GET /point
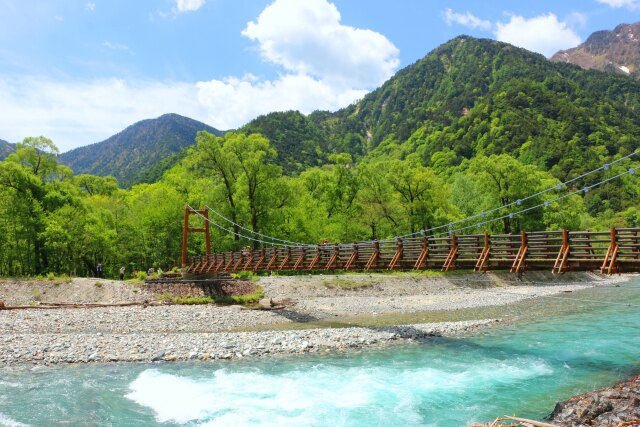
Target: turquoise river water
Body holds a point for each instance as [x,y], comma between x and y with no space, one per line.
[522,369]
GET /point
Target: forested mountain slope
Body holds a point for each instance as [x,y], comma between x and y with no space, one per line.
[474,96]
[141,152]
[6,148]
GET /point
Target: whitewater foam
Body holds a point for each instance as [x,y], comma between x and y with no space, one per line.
[6,421]
[331,394]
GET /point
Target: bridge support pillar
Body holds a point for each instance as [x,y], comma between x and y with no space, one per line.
[186,229]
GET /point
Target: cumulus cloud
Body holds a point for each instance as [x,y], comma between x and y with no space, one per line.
[234,101]
[188,5]
[466,19]
[630,4]
[323,65]
[74,114]
[307,37]
[544,34]
[90,7]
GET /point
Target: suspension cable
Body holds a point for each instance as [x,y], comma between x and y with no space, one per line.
[630,171]
[251,231]
[288,243]
[233,232]
[559,186]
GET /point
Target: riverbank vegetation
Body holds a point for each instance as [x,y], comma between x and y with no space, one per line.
[473,126]
[54,222]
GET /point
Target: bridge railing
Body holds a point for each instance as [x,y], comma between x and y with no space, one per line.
[608,251]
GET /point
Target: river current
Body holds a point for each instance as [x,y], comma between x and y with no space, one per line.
[583,340]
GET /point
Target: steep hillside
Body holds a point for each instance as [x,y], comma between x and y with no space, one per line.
[6,148]
[614,51]
[141,152]
[474,96]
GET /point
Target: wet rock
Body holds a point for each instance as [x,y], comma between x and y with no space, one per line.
[604,407]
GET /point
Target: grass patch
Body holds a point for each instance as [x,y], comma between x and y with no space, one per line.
[245,275]
[165,296]
[194,300]
[37,296]
[346,284]
[98,284]
[247,299]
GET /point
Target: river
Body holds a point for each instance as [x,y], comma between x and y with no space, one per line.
[558,348]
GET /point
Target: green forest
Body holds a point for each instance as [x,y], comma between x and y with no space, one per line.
[473,126]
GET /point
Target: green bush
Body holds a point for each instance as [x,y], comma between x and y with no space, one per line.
[244,275]
[141,275]
[226,299]
[165,296]
[194,300]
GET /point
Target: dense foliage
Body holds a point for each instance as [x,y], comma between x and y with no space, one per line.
[473,126]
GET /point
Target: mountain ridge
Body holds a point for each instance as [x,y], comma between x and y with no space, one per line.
[6,148]
[139,153]
[616,51]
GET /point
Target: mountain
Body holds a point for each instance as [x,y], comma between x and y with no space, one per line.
[475,96]
[6,148]
[614,51]
[141,152]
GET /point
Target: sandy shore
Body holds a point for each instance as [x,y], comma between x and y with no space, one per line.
[116,334]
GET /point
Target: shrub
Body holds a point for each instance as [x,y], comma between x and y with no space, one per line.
[51,276]
[141,275]
[194,300]
[244,275]
[224,299]
[165,296]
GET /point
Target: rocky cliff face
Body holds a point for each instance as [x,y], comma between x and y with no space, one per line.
[614,51]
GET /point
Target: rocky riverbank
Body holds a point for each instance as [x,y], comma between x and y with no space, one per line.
[83,347]
[611,406]
[180,332]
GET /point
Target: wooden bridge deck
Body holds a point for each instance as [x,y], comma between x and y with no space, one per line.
[617,250]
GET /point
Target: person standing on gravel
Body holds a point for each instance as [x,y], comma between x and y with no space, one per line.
[122,273]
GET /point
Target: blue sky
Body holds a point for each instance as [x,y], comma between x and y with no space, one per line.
[78,71]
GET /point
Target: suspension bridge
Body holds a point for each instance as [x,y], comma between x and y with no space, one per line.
[444,248]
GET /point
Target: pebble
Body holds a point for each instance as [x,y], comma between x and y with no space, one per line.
[170,333]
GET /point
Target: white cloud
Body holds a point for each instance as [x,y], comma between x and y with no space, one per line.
[544,34]
[234,101]
[74,114]
[630,4]
[325,65]
[307,37]
[90,7]
[116,46]
[466,19]
[188,5]
[576,19]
